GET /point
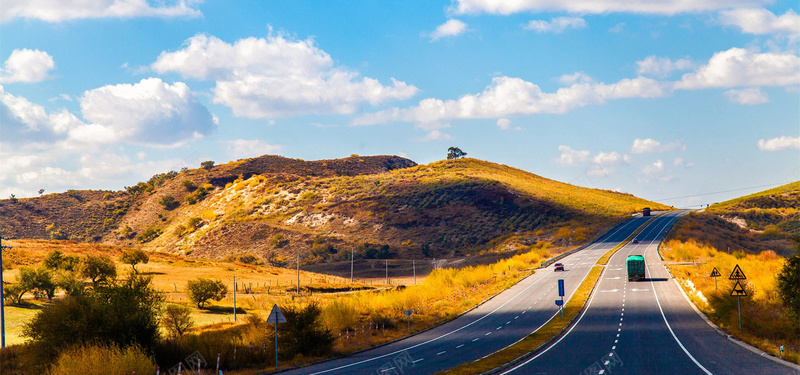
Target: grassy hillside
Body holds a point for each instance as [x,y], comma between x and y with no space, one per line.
[269,209]
[776,210]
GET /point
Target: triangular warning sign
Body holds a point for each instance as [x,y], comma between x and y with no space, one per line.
[738,291]
[715,272]
[737,274]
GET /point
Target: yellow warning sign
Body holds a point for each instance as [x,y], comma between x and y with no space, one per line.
[738,291]
[737,274]
[715,272]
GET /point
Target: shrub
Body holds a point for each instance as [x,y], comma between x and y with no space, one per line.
[188,185]
[207,165]
[177,319]
[303,332]
[789,285]
[149,235]
[103,360]
[202,290]
[169,202]
[56,260]
[97,268]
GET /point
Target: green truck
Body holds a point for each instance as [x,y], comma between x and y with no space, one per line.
[635,267]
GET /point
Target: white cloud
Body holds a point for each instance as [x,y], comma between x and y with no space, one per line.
[452,27]
[779,143]
[660,66]
[557,25]
[649,145]
[26,122]
[505,124]
[572,158]
[597,6]
[507,96]
[25,65]
[741,67]
[435,135]
[272,77]
[605,163]
[750,96]
[655,168]
[578,77]
[149,112]
[618,28]
[65,10]
[761,21]
[249,148]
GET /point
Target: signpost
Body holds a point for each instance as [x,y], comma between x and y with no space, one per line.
[408,314]
[275,316]
[738,290]
[560,303]
[715,274]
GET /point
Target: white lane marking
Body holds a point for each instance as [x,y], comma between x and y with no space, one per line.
[498,328]
[614,347]
[516,317]
[440,353]
[609,291]
[508,322]
[387,369]
[488,333]
[458,347]
[476,339]
[417,360]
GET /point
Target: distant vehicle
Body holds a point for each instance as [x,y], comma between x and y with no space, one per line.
[646,211]
[635,241]
[635,267]
[558,267]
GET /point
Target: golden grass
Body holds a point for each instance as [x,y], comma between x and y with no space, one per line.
[766,322]
[538,338]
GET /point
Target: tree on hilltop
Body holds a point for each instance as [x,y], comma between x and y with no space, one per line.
[455,153]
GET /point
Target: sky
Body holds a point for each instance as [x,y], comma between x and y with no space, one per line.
[682,102]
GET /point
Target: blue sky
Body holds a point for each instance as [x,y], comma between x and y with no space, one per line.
[686,103]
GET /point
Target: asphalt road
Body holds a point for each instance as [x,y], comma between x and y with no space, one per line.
[644,327]
[500,322]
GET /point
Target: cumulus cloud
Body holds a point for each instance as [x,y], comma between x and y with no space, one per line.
[150,112]
[741,67]
[597,6]
[761,21]
[655,168]
[25,65]
[557,25]
[605,163]
[750,96]
[273,77]
[505,124]
[25,122]
[66,10]
[435,135]
[649,145]
[779,143]
[507,96]
[249,148]
[660,66]
[452,27]
[572,158]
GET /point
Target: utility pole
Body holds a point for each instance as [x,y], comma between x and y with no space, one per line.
[2,300]
[352,254]
[298,273]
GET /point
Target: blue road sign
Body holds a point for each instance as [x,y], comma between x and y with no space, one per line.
[559,302]
[561,287]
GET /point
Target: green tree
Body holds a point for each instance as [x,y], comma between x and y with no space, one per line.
[208,164]
[202,290]
[303,332]
[97,268]
[134,257]
[177,319]
[789,282]
[169,202]
[122,313]
[56,260]
[455,153]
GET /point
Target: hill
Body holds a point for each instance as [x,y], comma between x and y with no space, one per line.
[766,220]
[272,208]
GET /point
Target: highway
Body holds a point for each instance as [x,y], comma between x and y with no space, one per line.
[496,324]
[644,327]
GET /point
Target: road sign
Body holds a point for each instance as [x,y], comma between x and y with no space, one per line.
[715,272]
[738,291]
[561,287]
[409,312]
[559,302]
[276,316]
[737,274]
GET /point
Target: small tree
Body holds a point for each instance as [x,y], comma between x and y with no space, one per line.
[201,290]
[207,165]
[98,269]
[455,153]
[303,332]
[134,257]
[789,283]
[169,202]
[177,319]
[41,191]
[56,260]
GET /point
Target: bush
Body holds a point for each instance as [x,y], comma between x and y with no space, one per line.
[202,290]
[303,332]
[177,319]
[169,202]
[207,165]
[56,260]
[103,360]
[149,235]
[789,285]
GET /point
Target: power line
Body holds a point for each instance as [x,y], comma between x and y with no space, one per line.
[724,191]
